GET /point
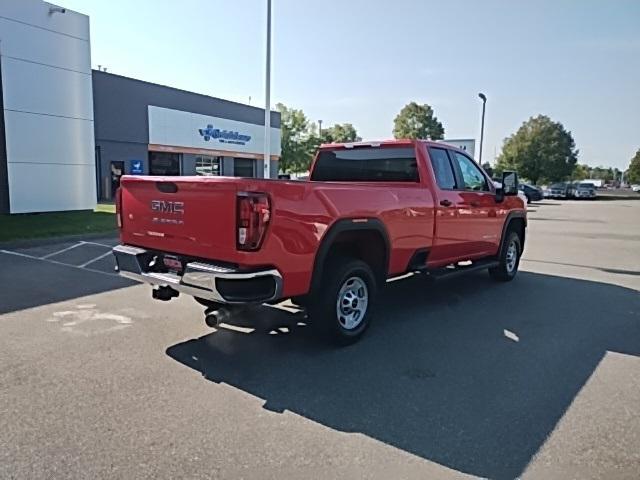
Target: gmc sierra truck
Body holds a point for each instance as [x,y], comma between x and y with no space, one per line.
[368,212]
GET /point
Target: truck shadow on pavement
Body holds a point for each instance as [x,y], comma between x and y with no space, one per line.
[467,373]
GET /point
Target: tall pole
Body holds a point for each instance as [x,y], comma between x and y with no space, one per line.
[267,100]
[483,97]
[320,129]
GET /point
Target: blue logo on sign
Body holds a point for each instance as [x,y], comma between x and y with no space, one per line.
[223,136]
[136,167]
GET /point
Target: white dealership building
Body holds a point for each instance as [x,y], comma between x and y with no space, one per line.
[46,127]
[67,132]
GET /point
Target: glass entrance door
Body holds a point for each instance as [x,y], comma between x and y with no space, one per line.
[207,166]
[117,170]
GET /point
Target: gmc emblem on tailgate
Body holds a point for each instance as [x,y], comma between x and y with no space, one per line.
[163,206]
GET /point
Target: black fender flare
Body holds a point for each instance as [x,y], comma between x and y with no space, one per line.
[339,227]
[505,227]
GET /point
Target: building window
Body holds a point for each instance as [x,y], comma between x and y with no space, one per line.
[163,163]
[207,166]
[244,167]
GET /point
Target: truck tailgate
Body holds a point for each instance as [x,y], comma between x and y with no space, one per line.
[180,215]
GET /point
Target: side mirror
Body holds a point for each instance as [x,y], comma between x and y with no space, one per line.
[510,183]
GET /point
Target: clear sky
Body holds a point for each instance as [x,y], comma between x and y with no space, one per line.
[360,61]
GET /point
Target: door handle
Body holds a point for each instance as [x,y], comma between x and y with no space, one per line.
[446,203]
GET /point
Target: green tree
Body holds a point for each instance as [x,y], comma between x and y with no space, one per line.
[541,150]
[417,121]
[607,174]
[581,172]
[633,173]
[297,141]
[340,133]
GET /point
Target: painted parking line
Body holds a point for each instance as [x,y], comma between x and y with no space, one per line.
[55,262]
[99,257]
[53,254]
[100,244]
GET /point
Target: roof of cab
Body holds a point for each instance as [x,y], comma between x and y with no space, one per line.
[386,143]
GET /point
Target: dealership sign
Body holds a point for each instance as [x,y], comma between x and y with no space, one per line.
[223,136]
[182,131]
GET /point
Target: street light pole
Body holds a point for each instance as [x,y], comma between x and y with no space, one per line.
[320,129]
[483,97]
[267,100]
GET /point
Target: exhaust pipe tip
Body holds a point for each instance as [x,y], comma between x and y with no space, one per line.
[213,318]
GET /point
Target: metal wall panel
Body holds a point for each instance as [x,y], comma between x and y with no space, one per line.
[46,139]
[38,13]
[43,46]
[45,61]
[38,88]
[51,187]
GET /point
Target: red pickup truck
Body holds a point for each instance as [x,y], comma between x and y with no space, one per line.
[368,212]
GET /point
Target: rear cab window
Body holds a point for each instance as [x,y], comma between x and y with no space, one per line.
[367,164]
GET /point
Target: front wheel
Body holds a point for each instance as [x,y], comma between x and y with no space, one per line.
[509,259]
[342,309]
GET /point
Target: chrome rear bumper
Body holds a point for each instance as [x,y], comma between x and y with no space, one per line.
[204,280]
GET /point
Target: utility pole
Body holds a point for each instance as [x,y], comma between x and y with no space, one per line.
[320,129]
[267,99]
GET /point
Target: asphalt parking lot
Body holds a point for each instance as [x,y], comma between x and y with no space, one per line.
[463,378]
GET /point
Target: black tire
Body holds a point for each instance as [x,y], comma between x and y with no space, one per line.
[300,301]
[340,274]
[508,268]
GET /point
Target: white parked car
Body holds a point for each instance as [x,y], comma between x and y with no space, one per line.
[635,188]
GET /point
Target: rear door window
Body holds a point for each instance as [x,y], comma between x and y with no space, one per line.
[363,164]
[442,168]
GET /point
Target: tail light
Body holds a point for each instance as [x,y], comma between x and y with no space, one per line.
[253,215]
[119,207]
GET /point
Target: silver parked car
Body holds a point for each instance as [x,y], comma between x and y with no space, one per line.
[585,190]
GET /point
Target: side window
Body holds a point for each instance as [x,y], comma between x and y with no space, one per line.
[471,174]
[442,168]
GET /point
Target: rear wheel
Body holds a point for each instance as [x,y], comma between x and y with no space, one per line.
[509,258]
[342,309]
